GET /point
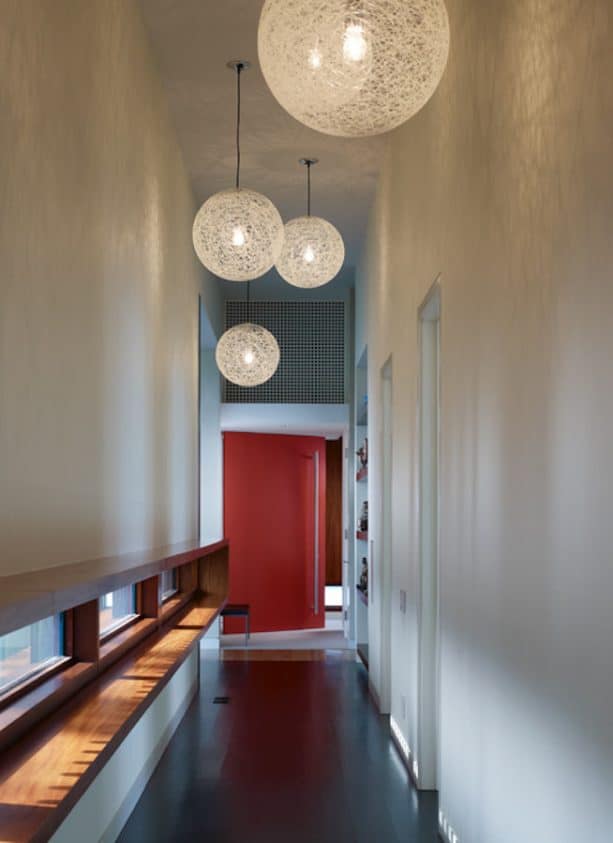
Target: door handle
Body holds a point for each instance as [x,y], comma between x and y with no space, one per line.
[316,534]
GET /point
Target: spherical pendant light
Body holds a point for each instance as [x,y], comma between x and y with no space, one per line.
[247,355]
[238,233]
[313,250]
[353,67]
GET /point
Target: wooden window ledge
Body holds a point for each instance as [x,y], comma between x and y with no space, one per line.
[44,774]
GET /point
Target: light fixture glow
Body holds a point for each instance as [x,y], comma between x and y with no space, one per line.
[238,237]
[378,62]
[355,45]
[315,59]
[313,250]
[238,233]
[247,354]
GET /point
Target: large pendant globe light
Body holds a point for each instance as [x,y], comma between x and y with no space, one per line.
[247,354]
[353,67]
[313,250]
[238,233]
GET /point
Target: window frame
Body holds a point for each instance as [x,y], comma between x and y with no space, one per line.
[124,622]
[165,596]
[36,676]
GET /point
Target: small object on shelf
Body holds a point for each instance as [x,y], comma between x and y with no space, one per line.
[363,537]
[362,453]
[363,522]
[362,474]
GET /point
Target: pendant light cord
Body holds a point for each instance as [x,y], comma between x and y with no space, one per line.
[239,69]
[249,301]
[308,189]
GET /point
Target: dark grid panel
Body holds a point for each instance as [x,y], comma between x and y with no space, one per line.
[311,336]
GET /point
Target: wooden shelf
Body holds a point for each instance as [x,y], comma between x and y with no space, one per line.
[363,597]
[26,598]
[45,774]
[362,474]
[361,536]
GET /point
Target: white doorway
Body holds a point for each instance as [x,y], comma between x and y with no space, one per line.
[428,615]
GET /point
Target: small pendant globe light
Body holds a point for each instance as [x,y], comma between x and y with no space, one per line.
[313,250]
[238,233]
[247,354]
[353,68]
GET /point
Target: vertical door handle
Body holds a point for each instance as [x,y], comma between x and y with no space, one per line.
[316,536]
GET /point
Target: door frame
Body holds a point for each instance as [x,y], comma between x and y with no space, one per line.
[385,534]
[429,471]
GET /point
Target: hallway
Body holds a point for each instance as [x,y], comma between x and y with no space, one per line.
[299,753]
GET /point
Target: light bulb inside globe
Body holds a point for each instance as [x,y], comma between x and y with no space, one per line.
[312,254]
[315,59]
[355,46]
[247,354]
[238,236]
[309,254]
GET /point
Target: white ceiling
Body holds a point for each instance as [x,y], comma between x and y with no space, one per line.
[192,41]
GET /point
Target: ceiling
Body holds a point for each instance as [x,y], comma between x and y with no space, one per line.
[192,41]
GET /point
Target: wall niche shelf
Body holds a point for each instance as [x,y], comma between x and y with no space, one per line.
[363,595]
[361,536]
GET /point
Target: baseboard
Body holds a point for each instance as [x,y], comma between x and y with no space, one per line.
[374,694]
[405,761]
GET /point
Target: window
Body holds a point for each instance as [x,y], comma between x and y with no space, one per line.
[117,608]
[168,584]
[29,651]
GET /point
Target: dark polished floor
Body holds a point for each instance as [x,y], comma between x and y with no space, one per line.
[298,755]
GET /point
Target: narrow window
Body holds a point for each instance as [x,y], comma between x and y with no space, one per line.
[168,584]
[117,609]
[28,652]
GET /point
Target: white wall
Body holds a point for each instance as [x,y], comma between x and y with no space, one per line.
[211,451]
[297,419]
[504,184]
[98,292]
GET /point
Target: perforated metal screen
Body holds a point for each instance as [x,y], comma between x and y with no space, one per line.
[311,336]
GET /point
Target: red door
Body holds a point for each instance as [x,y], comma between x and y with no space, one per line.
[271,487]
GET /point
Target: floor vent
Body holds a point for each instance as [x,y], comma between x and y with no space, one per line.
[221,700]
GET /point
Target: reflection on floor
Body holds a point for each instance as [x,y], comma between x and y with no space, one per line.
[297,753]
[249,654]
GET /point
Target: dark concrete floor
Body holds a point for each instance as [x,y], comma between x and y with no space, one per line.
[298,755]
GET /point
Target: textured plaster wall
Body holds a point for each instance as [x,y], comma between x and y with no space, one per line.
[98,291]
[504,184]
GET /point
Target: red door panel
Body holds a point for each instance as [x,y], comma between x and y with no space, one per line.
[270,520]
